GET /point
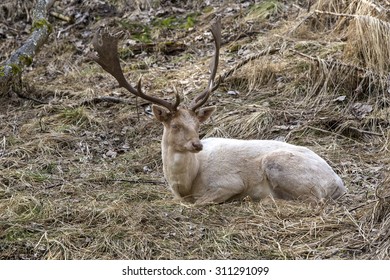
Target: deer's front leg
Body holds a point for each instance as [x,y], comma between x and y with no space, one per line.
[219,195]
[180,194]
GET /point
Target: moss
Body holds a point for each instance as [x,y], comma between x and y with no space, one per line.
[26,59]
[16,69]
[40,23]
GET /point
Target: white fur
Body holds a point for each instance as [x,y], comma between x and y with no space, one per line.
[233,169]
[215,170]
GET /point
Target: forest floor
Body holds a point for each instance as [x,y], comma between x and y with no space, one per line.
[81,178]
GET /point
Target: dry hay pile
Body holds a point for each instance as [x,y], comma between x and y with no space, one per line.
[82,179]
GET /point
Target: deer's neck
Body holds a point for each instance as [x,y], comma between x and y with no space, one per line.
[180,169]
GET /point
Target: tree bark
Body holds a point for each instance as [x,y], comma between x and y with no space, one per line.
[13,67]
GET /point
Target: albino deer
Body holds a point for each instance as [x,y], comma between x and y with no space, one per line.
[216,170]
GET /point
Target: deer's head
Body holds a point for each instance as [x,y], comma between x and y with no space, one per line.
[181,123]
[181,128]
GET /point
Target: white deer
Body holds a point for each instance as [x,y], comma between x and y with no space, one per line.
[216,170]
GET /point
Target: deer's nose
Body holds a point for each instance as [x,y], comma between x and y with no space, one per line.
[197,146]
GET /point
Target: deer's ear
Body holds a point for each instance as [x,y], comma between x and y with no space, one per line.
[160,113]
[204,113]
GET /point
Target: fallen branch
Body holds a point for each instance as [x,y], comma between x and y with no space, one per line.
[24,56]
[79,21]
[18,90]
[111,99]
[21,95]
[247,60]
[334,62]
[140,181]
[168,48]
[335,14]
[54,186]
[68,19]
[365,131]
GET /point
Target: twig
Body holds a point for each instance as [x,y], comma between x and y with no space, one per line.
[365,131]
[370,202]
[309,4]
[362,205]
[111,99]
[334,62]
[320,130]
[30,98]
[335,14]
[53,186]
[301,22]
[245,61]
[62,17]
[365,72]
[309,15]
[168,47]
[376,7]
[18,90]
[152,182]
[49,4]
[80,20]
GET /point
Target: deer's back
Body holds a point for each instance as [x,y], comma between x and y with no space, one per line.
[263,166]
[225,156]
[237,150]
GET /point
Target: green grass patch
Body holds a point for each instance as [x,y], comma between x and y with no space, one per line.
[264,10]
[175,22]
[76,116]
[143,32]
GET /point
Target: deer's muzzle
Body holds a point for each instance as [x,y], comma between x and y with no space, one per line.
[197,146]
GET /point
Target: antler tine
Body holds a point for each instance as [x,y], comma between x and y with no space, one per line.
[212,86]
[106,45]
[177,97]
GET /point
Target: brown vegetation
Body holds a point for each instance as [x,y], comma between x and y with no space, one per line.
[81,178]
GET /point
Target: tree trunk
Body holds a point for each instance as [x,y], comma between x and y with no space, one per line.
[13,67]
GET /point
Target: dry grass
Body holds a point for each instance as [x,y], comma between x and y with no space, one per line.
[85,182]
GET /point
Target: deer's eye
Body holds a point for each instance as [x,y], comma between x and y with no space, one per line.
[176,127]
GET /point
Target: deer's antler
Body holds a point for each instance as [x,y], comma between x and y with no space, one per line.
[106,46]
[201,99]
